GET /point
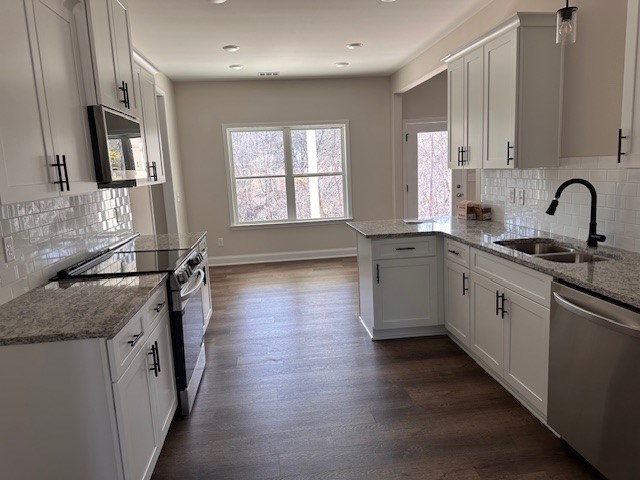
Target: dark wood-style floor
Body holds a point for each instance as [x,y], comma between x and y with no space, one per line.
[294,389]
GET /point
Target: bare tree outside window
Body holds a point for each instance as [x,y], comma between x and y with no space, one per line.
[288,174]
[434,176]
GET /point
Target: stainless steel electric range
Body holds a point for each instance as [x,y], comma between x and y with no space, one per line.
[189,295]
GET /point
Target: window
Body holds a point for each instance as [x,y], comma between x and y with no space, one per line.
[288,174]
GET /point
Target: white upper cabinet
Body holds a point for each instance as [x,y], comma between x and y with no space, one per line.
[521,69]
[146,92]
[465,100]
[629,133]
[44,141]
[111,56]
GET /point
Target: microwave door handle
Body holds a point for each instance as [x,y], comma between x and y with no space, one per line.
[197,287]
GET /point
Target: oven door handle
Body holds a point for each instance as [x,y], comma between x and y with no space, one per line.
[189,293]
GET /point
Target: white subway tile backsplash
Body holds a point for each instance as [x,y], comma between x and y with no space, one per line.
[52,234]
[618,199]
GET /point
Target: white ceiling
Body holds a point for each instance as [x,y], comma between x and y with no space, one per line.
[298,38]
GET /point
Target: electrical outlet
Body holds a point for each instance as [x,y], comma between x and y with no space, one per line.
[220,242]
[521,196]
[512,195]
[9,251]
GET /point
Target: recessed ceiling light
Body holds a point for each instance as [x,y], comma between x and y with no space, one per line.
[342,64]
[383,1]
[236,67]
[231,48]
[353,46]
[218,2]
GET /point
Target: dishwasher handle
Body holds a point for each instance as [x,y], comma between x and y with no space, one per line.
[596,318]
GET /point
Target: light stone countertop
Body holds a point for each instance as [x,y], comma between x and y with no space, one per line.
[167,241]
[74,310]
[617,279]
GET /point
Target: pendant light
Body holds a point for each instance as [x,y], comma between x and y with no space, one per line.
[566,19]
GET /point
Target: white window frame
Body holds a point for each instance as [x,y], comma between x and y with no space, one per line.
[289,176]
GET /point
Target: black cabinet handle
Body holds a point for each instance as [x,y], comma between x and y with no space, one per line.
[154,169]
[405,248]
[463,151]
[465,289]
[155,366]
[509,148]
[125,94]
[58,166]
[155,344]
[460,161]
[500,300]
[620,152]
[454,252]
[159,306]
[378,272]
[136,338]
[66,172]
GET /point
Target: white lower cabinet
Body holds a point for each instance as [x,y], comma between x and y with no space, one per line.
[509,323]
[399,281]
[457,294]
[91,408]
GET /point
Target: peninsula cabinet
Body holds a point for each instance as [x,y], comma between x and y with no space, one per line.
[466,109]
[521,89]
[90,408]
[111,56]
[399,282]
[629,133]
[44,143]
[146,93]
[457,291]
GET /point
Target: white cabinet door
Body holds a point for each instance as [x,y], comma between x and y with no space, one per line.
[161,378]
[64,94]
[629,135]
[455,79]
[487,324]
[457,303]
[123,51]
[135,417]
[474,108]
[406,293]
[146,89]
[207,304]
[500,87]
[25,150]
[526,347]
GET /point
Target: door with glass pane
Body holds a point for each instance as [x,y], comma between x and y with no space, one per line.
[428,179]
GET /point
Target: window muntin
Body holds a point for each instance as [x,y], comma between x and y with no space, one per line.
[288,174]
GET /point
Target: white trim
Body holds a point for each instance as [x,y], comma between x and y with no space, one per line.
[141,60]
[216,261]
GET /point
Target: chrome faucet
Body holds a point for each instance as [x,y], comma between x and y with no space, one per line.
[594,237]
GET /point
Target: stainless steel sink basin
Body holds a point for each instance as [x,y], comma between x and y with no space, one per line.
[534,246]
[573,257]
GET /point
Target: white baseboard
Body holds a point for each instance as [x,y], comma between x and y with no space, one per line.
[216,261]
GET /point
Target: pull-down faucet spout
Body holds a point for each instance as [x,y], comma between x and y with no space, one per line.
[594,238]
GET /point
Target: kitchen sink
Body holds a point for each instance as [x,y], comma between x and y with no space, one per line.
[573,257]
[534,246]
[550,250]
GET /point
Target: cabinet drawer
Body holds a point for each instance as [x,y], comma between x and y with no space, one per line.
[533,285]
[456,252]
[154,307]
[404,248]
[123,347]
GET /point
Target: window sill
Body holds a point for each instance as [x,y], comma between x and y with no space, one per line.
[300,223]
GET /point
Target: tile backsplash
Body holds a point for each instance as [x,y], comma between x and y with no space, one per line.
[51,234]
[618,199]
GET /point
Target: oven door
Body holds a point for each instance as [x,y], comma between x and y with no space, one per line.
[188,335]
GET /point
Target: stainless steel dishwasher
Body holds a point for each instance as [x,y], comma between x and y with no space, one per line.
[594,380]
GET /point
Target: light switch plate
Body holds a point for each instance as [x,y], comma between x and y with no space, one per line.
[512,195]
[9,250]
[220,242]
[521,196]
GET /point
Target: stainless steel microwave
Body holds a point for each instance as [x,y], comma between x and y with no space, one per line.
[118,148]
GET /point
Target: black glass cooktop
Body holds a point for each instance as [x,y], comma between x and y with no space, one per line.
[123,262]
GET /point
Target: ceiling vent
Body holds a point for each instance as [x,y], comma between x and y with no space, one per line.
[269,74]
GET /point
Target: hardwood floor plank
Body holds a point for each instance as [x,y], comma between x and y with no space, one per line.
[295,390]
